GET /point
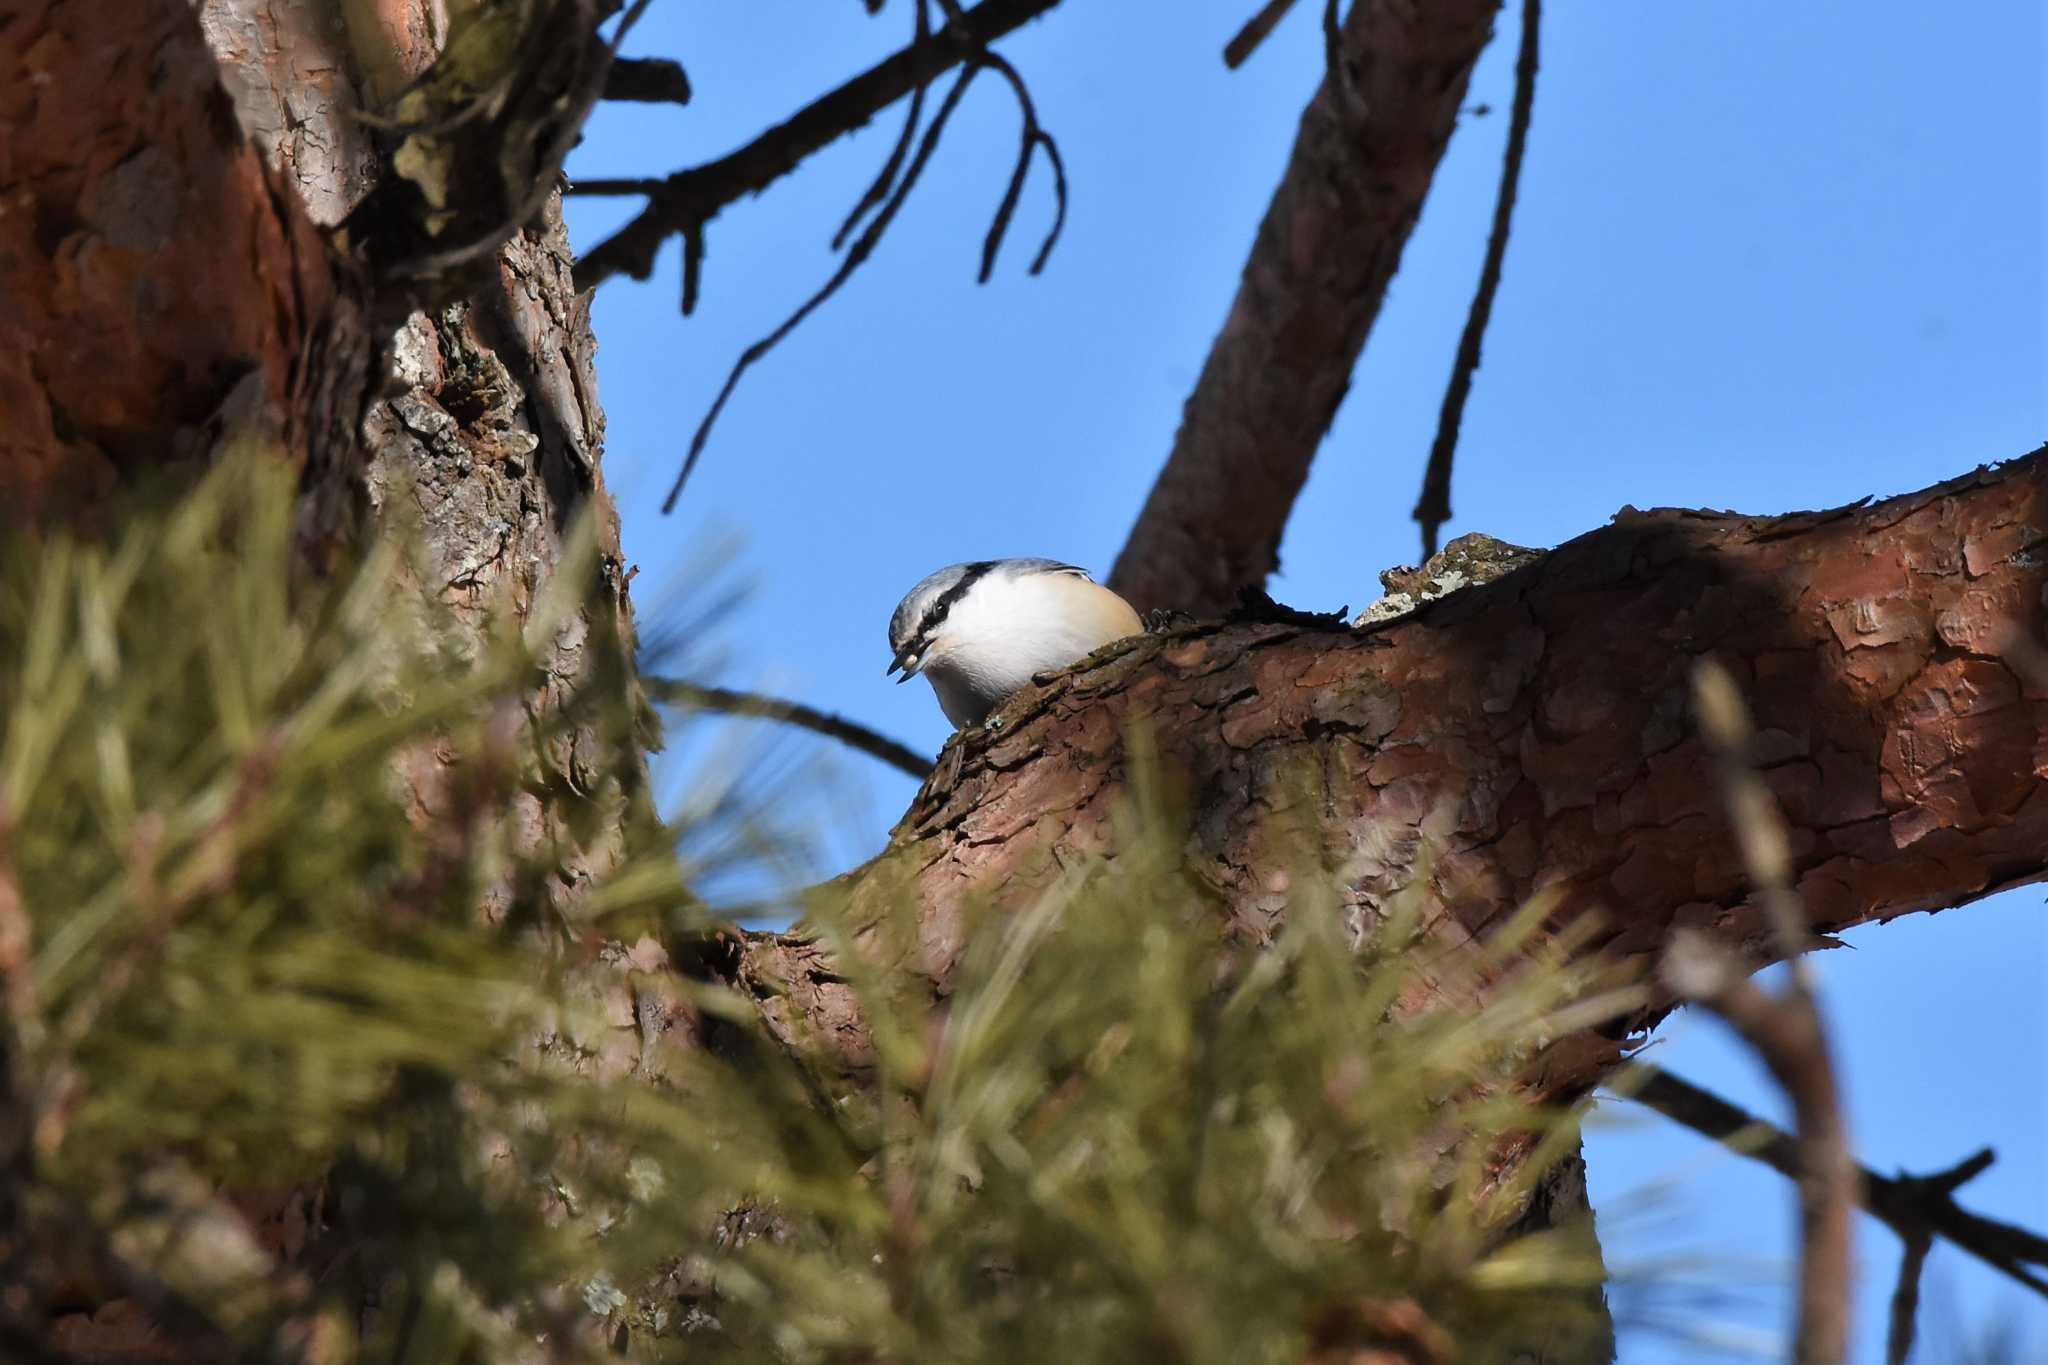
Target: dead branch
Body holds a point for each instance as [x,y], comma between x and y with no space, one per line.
[1789,1039]
[1905,1309]
[684,202]
[677,692]
[1035,138]
[877,192]
[1918,1208]
[1786,1030]
[1433,508]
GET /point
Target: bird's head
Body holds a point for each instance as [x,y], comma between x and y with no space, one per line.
[917,628]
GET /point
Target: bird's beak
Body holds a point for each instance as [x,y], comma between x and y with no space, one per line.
[907,661]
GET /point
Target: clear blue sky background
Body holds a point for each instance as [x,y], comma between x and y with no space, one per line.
[1769,256]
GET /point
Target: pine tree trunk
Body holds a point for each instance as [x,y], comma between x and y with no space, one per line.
[485,427]
[171,284]
[139,332]
[159,288]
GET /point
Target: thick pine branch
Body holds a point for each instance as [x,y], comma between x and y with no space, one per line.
[1536,731]
[1331,240]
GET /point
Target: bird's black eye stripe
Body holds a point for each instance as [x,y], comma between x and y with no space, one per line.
[935,613]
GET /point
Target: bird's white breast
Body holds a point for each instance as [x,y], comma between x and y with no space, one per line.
[1008,628]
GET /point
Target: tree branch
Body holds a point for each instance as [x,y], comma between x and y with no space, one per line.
[1331,239]
[1035,138]
[1532,732]
[1786,1030]
[1905,1308]
[677,692]
[877,192]
[1786,1033]
[1916,1208]
[688,199]
[855,257]
[431,225]
[1433,508]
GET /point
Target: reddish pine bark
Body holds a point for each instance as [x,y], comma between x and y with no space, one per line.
[163,282]
[152,273]
[1331,240]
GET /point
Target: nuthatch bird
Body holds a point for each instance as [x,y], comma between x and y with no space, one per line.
[979,631]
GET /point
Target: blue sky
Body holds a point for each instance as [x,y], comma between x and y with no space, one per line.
[1767,257]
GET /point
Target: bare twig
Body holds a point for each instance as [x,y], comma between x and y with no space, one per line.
[885,195]
[1254,32]
[694,196]
[1905,1314]
[1433,508]
[562,104]
[1034,138]
[614,186]
[878,190]
[1261,25]
[1786,1030]
[1916,1208]
[676,692]
[863,246]
[693,267]
[1759,831]
[1789,1039]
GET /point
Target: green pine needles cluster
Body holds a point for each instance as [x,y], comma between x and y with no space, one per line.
[307,1064]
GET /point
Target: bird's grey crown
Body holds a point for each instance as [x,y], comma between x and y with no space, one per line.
[926,605]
